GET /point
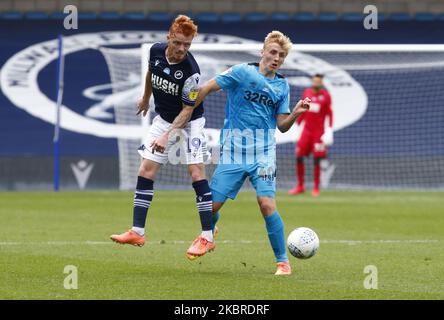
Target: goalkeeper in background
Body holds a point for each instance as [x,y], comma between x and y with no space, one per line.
[316,127]
[257,103]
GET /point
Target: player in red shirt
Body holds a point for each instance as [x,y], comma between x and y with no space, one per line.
[316,133]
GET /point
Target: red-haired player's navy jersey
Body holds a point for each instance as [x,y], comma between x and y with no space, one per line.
[174,84]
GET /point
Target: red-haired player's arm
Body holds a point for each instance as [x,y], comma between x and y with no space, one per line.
[144,103]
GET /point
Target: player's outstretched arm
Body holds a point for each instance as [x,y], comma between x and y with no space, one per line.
[184,116]
[285,121]
[207,88]
[144,103]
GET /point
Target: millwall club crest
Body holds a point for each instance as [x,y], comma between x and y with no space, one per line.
[19,82]
[178,74]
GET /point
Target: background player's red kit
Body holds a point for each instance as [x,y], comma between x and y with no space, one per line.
[314,119]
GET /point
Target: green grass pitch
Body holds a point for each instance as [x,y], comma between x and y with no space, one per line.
[401,233]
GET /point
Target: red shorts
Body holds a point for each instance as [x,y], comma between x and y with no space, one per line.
[309,143]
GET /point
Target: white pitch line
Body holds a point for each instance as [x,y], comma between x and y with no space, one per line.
[351,242]
[348,242]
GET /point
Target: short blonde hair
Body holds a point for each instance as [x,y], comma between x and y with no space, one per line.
[279,38]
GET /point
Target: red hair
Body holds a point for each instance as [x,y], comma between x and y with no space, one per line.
[183,24]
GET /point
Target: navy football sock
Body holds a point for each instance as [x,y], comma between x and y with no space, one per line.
[142,201]
[204,201]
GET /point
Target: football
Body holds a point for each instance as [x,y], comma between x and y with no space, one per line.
[303,243]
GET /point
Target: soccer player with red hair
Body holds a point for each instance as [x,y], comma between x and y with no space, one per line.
[172,79]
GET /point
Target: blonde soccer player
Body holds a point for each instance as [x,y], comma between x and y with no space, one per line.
[257,103]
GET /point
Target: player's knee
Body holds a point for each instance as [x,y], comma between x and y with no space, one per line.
[196,176]
[267,209]
[146,171]
[196,172]
[267,206]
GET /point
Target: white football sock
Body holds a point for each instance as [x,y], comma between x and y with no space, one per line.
[139,231]
[208,235]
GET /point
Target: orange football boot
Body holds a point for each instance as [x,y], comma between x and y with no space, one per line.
[199,247]
[129,237]
[283,269]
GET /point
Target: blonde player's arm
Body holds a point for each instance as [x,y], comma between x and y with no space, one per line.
[184,116]
[207,88]
[159,144]
[285,121]
[189,98]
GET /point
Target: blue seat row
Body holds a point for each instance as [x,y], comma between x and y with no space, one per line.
[225,17]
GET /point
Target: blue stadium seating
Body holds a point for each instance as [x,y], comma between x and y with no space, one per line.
[231,17]
[353,16]
[356,16]
[110,15]
[399,17]
[280,16]
[382,17]
[12,15]
[87,15]
[133,16]
[328,16]
[256,16]
[206,17]
[226,17]
[159,16]
[57,15]
[304,16]
[36,15]
[189,14]
[424,16]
